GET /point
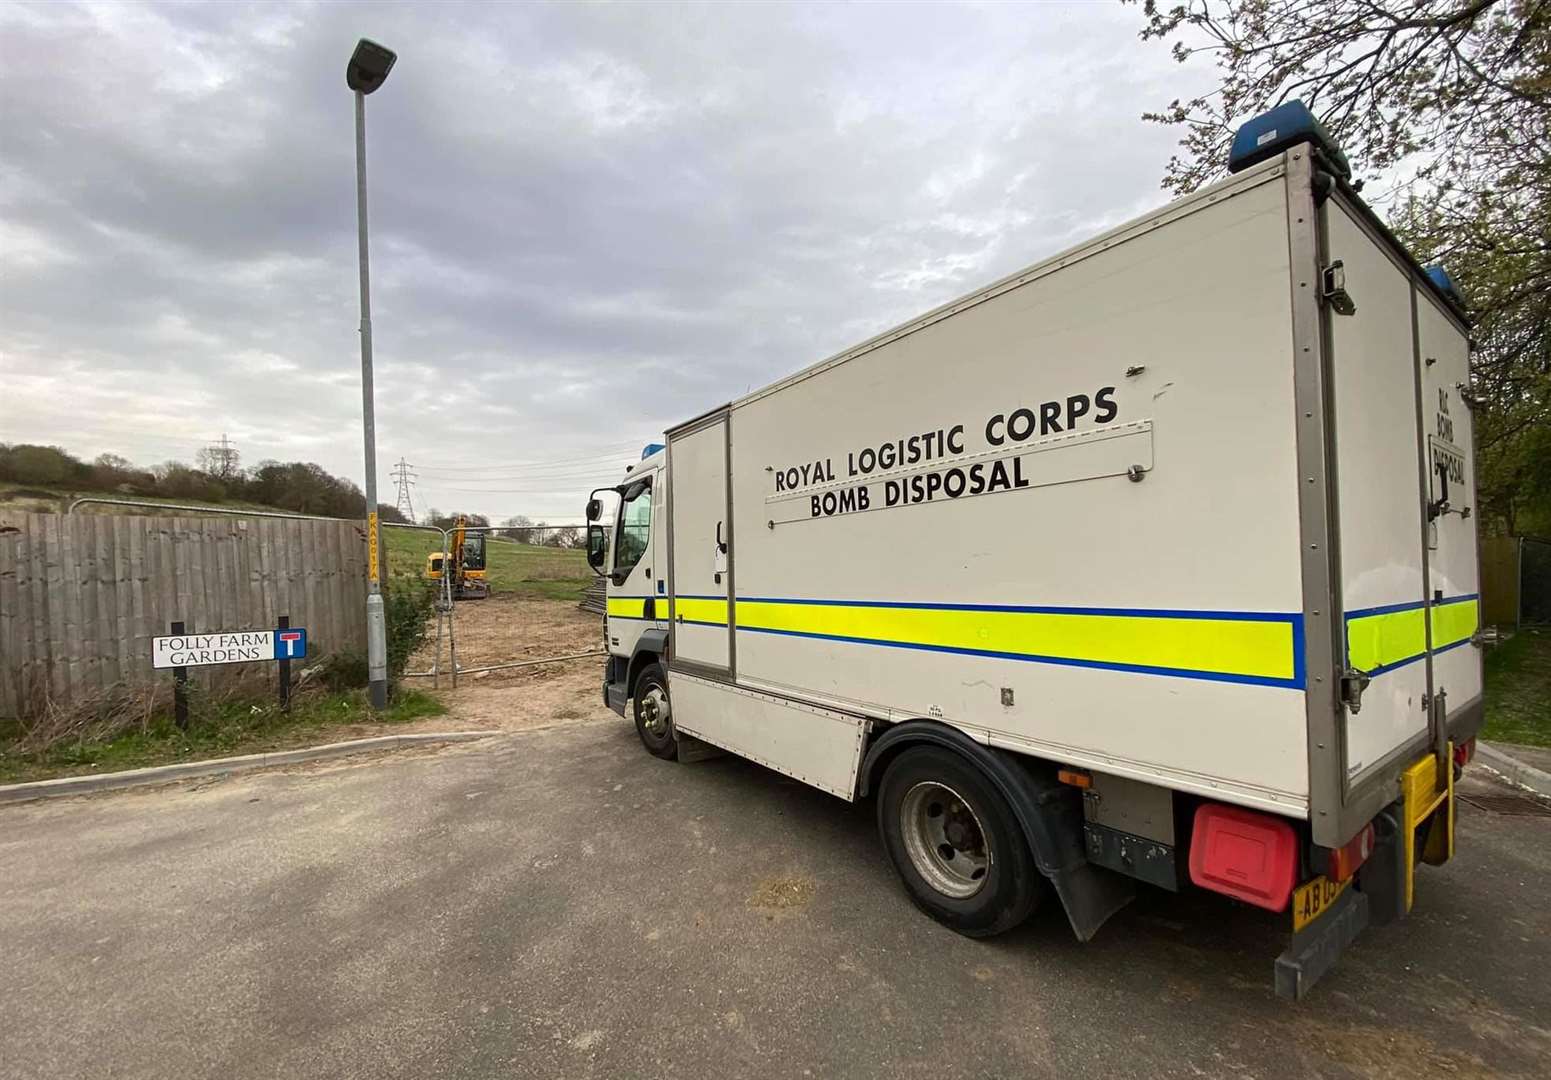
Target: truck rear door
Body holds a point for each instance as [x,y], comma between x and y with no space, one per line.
[1453,569]
[700,539]
[1380,493]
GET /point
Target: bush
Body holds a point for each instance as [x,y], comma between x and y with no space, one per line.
[25,463]
[344,671]
[409,602]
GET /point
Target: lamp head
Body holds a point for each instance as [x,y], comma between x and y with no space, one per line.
[369,66]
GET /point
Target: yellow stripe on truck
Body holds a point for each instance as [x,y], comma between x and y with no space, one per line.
[1386,639]
[627,607]
[1456,622]
[1241,647]
[701,609]
[1379,640]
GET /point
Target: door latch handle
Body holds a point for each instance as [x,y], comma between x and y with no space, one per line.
[1353,683]
[1333,289]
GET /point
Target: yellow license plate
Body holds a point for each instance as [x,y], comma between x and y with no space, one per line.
[1312,898]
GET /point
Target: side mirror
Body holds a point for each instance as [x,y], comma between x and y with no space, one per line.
[594,509]
[597,547]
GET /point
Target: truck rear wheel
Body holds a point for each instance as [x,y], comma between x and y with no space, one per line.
[955,843]
[654,713]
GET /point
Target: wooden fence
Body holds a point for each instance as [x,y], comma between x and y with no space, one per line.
[81,596]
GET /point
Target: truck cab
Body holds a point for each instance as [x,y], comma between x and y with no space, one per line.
[627,545]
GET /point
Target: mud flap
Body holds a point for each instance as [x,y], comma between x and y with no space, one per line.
[1091,895]
[1315,949]
[1383,877]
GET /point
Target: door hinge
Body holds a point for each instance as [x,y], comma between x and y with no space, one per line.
[1333,289]
[1353,683]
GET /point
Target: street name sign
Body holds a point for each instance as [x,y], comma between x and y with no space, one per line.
[235,647]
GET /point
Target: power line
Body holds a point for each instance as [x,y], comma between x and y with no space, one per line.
[544,478]
[572,487]
[609,461]
[603,454]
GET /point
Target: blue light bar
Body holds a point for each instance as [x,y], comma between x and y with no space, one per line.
[1440,277]
[651,448]
[1272,132]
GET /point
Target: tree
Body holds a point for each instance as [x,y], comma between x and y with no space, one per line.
[392,513]
[448,521]
[26,463]
[518,527]
[563,536]
[177,481]
[220,460]
[303,488]
[114,472]
[1448,101]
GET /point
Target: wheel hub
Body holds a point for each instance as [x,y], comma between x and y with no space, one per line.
[944,840]
[654,711]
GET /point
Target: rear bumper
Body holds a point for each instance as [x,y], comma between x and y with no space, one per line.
[1418,827]
[1315,949]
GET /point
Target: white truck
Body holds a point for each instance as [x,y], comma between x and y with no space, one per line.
[1153,562]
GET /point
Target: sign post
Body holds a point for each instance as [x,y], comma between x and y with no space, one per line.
[179,688]
[284,623]
[183,649]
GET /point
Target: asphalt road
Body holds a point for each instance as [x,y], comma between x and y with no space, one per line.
[557,903]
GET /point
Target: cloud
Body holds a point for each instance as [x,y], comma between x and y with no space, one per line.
[588,222]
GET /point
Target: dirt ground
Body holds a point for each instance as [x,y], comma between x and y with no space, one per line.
[500,630]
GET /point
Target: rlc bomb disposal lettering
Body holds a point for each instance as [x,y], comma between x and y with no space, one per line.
[980,478]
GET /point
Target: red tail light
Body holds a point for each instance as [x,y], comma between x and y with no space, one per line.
[1345,859]
[1464,752]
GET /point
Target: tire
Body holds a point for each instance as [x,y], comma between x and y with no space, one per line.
[955,843]
[654,713]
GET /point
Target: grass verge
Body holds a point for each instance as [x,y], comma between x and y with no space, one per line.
[1518,690]
[526,571]
[223,729]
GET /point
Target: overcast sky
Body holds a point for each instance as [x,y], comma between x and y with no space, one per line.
[588,222]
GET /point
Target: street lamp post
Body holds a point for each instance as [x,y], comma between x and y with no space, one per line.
[368,68]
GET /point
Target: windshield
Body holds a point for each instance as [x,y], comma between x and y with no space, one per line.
[474,552]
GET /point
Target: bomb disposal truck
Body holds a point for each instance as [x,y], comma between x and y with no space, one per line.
[1152,563]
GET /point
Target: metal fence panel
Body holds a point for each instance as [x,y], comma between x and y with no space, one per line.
[538,578]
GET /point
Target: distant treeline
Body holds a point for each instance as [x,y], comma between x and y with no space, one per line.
[520,528]
[297,486]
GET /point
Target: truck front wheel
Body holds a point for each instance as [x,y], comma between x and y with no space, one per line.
[955,844]
[654,713]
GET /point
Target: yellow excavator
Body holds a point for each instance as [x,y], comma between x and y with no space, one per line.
[466,556]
